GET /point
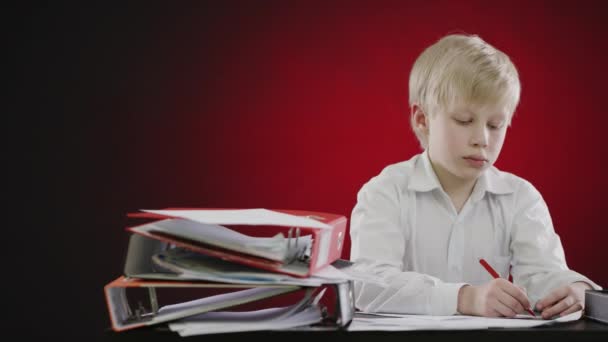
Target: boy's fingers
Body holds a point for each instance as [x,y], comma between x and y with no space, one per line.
[523,289]
[555,309]
[551,298]
[504,309]
[574,308]
[513,303]
[518,294]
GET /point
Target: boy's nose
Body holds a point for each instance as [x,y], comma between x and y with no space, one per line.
[480,137]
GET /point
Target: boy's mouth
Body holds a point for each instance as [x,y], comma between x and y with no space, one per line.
[476,158]
[477,162]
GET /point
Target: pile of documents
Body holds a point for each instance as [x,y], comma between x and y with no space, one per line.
[400,322]
[207,271]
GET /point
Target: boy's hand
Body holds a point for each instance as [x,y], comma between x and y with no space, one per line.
[563,300]
[497,298]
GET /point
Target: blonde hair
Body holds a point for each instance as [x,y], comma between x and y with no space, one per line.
[462,69]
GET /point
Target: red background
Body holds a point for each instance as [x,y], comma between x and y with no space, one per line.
[286,105]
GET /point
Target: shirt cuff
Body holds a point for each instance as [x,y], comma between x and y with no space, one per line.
[444,299]
[593,285]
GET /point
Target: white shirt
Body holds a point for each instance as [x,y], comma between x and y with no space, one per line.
[406,232]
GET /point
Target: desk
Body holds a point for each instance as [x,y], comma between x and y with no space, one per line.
[582,330]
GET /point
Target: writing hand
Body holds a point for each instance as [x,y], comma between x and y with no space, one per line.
[497,298]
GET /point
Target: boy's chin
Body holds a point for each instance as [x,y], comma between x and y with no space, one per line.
[472,174]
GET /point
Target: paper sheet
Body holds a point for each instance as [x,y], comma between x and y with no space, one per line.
[189,265]
[304,313]
[243,217]
[223,300]
[390,322]
[274,248]
[247,322]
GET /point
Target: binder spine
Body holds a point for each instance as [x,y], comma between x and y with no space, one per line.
[121,315]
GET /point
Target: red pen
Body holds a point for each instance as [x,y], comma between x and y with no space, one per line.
[496,276]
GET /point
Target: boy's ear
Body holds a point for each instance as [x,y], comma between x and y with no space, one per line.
[420,118]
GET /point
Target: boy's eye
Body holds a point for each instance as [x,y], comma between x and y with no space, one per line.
[494,126]
[463,122]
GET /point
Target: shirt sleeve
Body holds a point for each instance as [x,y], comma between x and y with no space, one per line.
[539,262]
[378,240]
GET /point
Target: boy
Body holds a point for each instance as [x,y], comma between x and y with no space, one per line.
[421,226]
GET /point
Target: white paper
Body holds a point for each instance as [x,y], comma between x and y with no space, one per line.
[243,217]
[331,273]
[300,314]
[193,266]
[308,316]
[223,300]
[396,322]
[274,248]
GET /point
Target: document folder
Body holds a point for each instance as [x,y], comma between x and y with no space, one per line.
[303,242]
[134,303]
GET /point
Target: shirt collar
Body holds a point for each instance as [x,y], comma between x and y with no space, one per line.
[493,181]
[424,179]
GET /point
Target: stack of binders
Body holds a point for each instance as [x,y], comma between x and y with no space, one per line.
[207,271]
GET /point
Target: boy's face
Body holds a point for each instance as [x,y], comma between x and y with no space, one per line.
[464,141]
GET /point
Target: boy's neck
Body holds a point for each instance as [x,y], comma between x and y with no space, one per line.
[458,189]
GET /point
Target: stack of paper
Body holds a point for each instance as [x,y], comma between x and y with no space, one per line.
[278,247]
[202,250]
[395,322]
[303,247]
[188,265]
[306,312]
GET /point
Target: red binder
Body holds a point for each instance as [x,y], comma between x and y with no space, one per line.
[125,316]
[134,303]
[326,230]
